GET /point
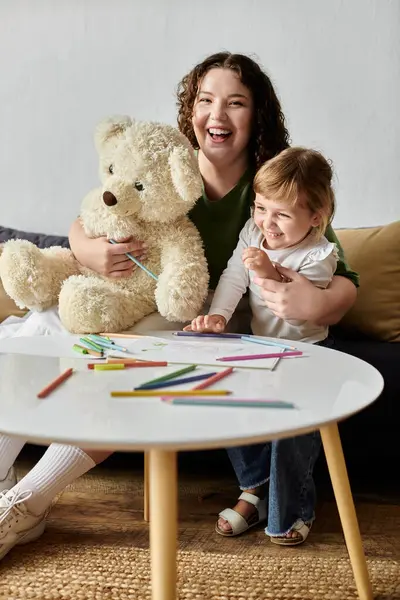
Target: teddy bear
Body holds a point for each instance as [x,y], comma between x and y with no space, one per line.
[149,182]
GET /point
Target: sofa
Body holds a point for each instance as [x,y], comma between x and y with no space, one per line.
[370,331]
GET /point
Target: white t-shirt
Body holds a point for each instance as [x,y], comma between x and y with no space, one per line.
[316,260]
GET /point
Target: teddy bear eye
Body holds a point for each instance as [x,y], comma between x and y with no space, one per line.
[111,169]
[139,186]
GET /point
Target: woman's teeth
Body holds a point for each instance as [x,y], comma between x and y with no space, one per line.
[219,133]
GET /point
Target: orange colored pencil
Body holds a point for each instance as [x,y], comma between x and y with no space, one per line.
[124,361]
[207,382]
[54,384]
[122,335]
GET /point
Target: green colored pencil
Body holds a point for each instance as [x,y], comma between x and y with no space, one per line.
[171,375]
[91,344]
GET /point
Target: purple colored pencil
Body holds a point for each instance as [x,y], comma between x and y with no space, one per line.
[212,335]
[259,356]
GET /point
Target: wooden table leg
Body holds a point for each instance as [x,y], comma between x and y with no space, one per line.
[344,500]
[163,524]
[146,493]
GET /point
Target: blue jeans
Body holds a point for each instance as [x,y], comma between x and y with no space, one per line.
[287,465]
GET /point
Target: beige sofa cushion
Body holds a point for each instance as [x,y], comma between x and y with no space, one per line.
[375,254]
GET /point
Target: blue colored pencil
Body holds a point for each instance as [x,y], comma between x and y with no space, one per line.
[106,344]
[155,386]
[212,335]
[101,338]
[256,340]
[137,262]
[229,402]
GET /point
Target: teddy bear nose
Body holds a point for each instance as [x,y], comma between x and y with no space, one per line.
[109,199]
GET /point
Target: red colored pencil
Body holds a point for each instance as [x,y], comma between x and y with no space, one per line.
[213,379]
[54,384]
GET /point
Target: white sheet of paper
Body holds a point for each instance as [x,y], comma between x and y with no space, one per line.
[202,353]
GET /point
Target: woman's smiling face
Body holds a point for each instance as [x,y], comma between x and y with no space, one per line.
[222,116]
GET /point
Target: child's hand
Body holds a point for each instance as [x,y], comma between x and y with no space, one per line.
[258,261]
[207,323]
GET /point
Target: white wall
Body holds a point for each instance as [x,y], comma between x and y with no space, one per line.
[64,65]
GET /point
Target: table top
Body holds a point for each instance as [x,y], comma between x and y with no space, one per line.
[325,385]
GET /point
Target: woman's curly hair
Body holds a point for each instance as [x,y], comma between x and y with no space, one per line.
[269,133]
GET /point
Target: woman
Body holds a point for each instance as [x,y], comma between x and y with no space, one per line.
[228,109]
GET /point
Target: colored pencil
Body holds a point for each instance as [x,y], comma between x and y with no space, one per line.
[55,383]
[213,379]
[137,262]
[100,338]
[128,365]
[122,335]
[108,367]
[256,340]
[90,344]
[132,362]
[103,343]
[163,384]
[87,350]
[258,356]
[228,402]
[120,360]
[171,375]
[80,349]
[212,335]
[162,393]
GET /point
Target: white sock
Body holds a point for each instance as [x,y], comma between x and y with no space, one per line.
[9,449]
[59,466]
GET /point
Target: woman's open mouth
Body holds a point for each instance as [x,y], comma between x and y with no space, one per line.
[219,135]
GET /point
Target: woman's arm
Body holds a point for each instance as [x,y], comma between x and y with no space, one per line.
[102,257]
[302,300]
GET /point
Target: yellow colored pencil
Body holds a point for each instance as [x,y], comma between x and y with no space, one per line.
[162,393]
[108,367]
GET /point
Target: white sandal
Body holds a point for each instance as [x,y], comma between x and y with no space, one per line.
[302,528]
[238,523]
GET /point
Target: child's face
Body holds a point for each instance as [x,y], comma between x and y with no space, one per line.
[222,116]
[283,225]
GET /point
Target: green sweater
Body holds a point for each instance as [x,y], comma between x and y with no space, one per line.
[220,223]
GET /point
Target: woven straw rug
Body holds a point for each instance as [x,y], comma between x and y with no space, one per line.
[96,548]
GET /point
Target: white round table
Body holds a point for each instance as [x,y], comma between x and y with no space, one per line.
[326,386]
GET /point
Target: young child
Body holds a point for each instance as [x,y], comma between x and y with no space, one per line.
[293,205]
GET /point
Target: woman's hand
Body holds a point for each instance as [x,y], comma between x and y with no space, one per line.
[299,299]
[258,261]
[207,323]
[110,259]
[302,300]
[102,257]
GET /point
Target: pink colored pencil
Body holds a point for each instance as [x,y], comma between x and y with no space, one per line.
[258,356]
[207,382]
[54,384]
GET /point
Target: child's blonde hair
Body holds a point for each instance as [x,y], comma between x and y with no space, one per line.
[299,174]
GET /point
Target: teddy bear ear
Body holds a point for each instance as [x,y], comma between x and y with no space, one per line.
[109,128]
[185,173]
